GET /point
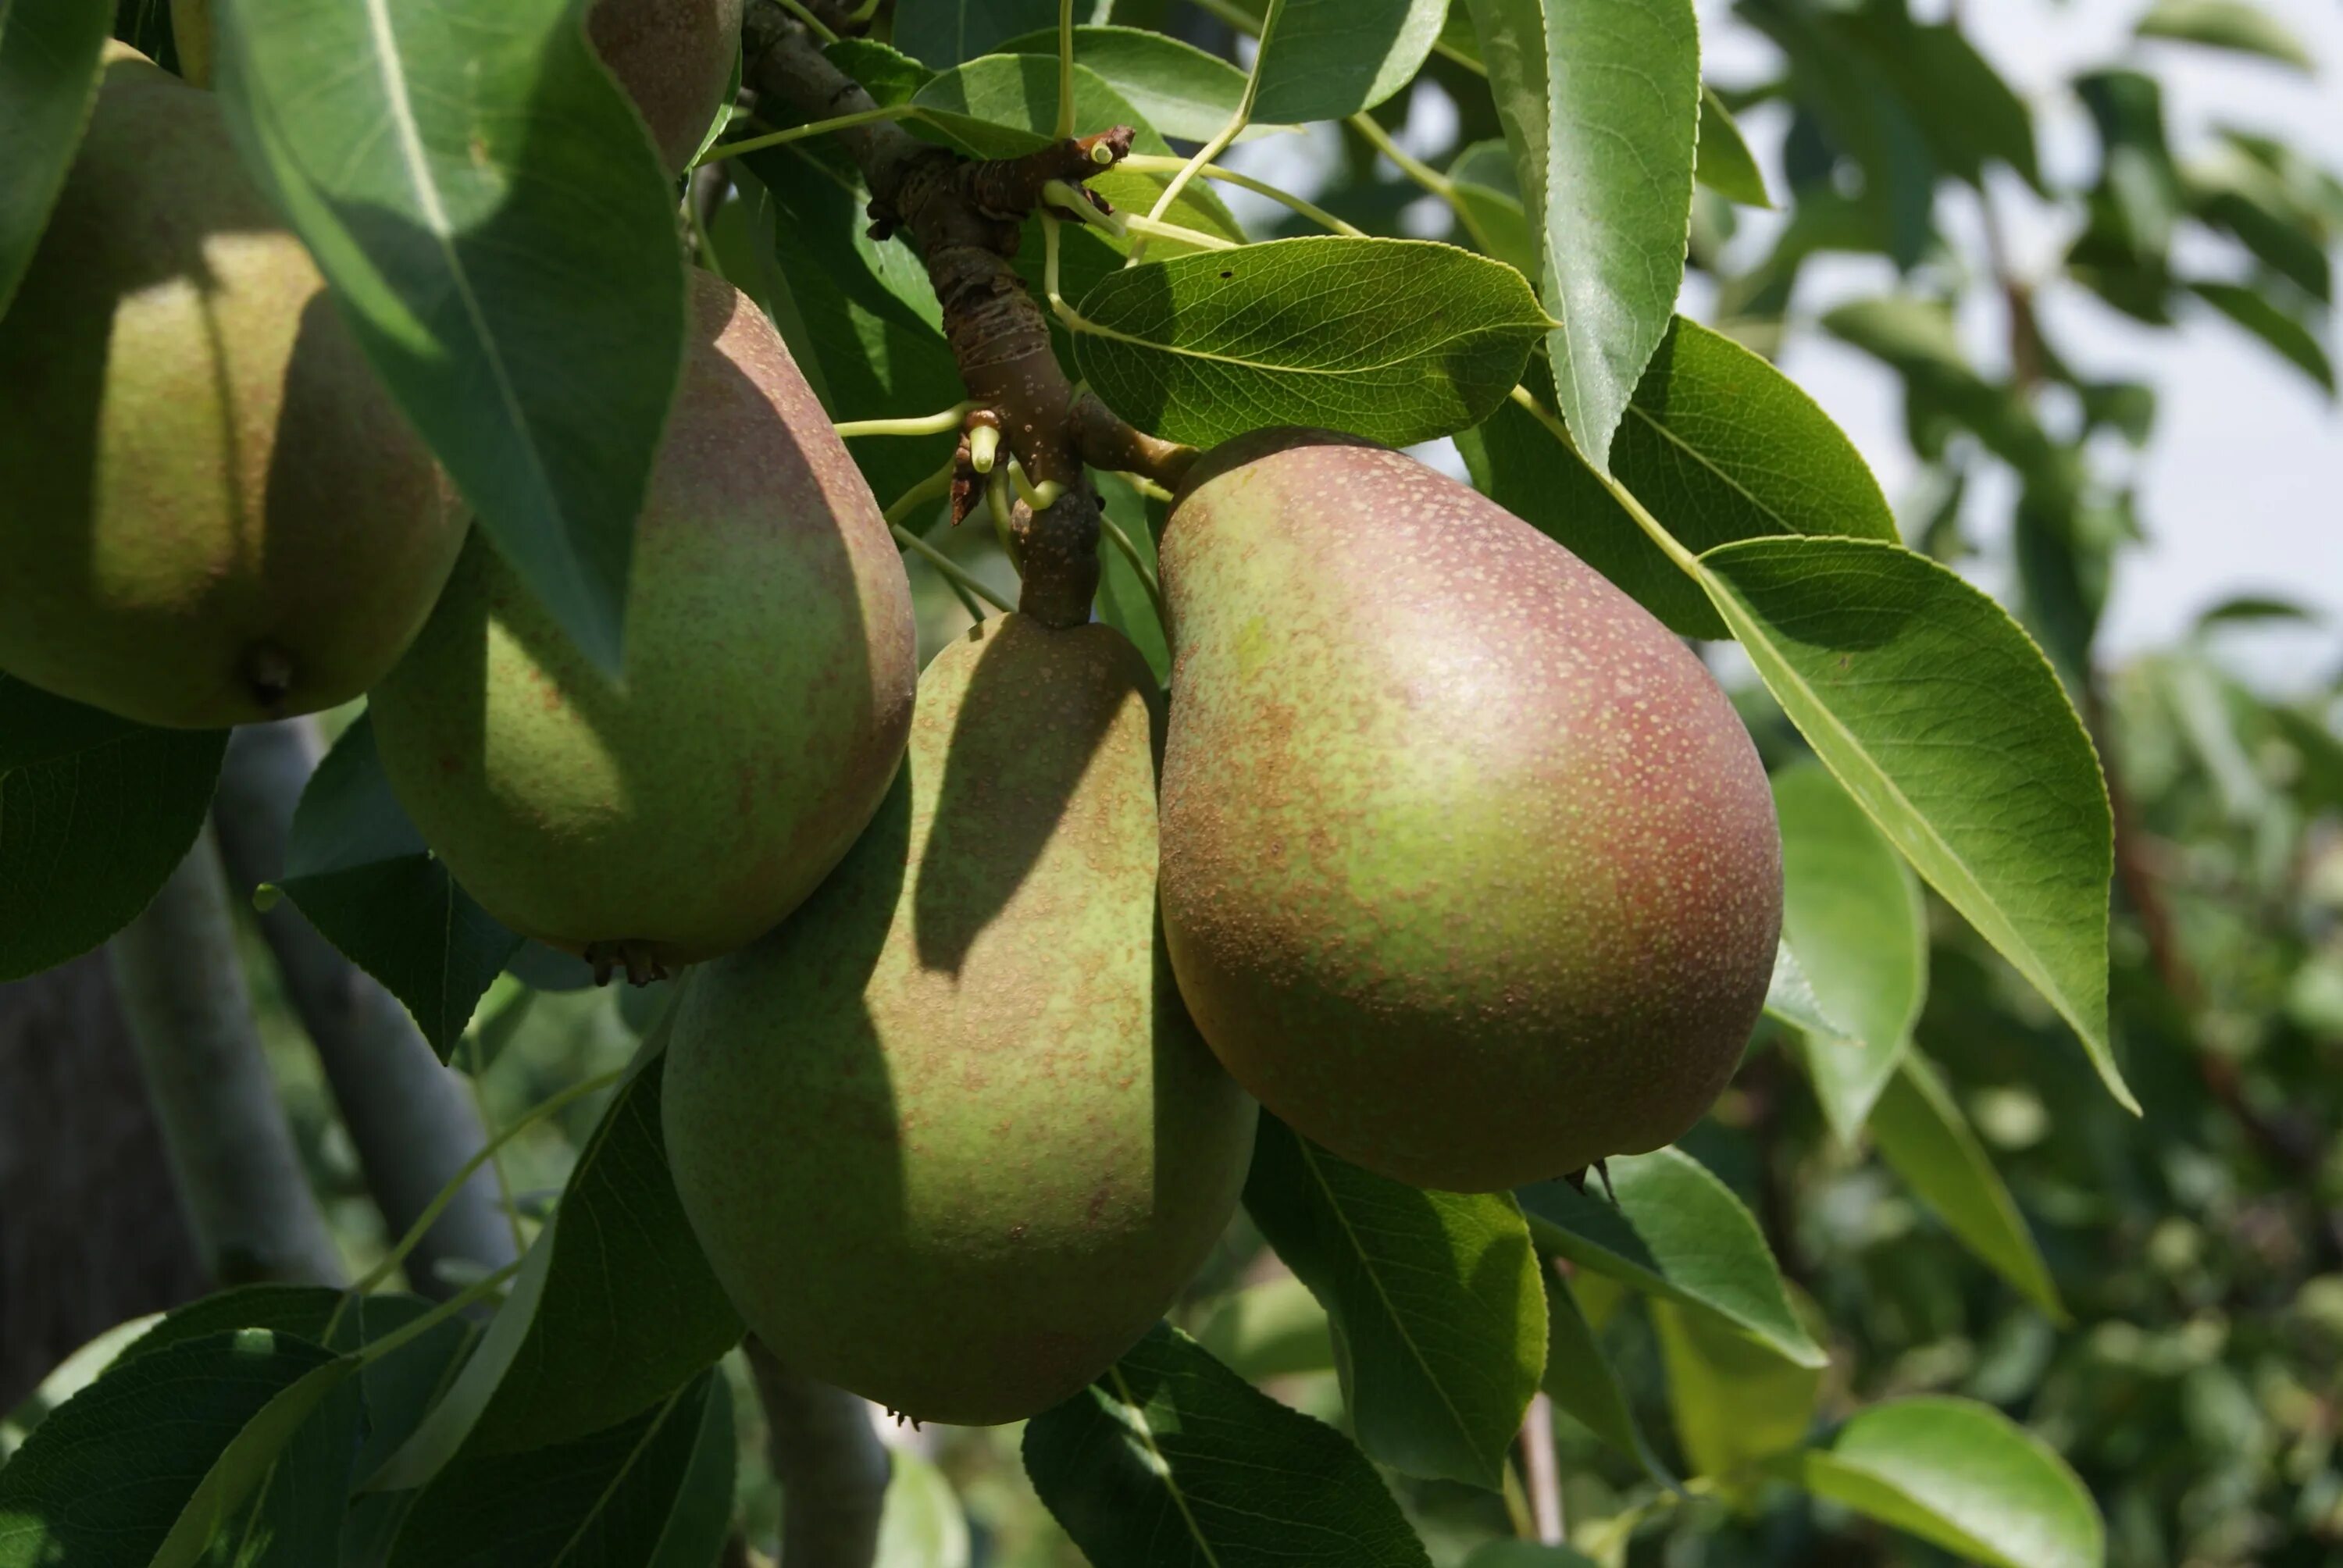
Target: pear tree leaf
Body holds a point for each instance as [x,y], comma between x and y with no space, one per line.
[1525,1554]
[500,236]
[1171,1461]
[922,1524]
[1961,1475]
[1735,1400]
[1326,59]
[613,1311]
[1183,91]
[50,52]
[1274,1329]
[1717,443]
[1724,163]
[2238,25]
[1488,200]
[1790,997]
[1677,1233]
[1852,914]
[948,33]
[358,867]
[1945,723]
[1921,1133]
[95,813]
[2254,310]
[1396,340]
[1439,1321]
[1580,1381]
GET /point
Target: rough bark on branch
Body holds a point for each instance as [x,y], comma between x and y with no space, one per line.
[963,217]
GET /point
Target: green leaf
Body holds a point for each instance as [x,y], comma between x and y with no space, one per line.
[1925,1139]
[1790,997]
[1962,1476]
[1676,1231]
[1276,1328]
[1735,1399]
[1622,79]
[1578,1377]
[1723,162]
[1944,722]
[1004,104]
[656,1491]
[96,812]
[923,1525]
[1172,1461]
[1325,59]
[49,55]
[886,74]
[2253,310]
[1852,914]
[1488,200]
[1525,1554]
[1439,1320]
[946,33]
[1510,42]
[1717,443]
[2235,24]
[361,870]
[1183,91]
[565,1354]
[1123,599]
[500,233]
[1916,338]
[1396,340]
[139,1467]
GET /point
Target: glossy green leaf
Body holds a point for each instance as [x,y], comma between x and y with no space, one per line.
[96,812]
[1735,1399]
[1172,1461]
[1324,59]
[50,52]
[1004,104]
[1790,997]
[1724,163]
[140,1466]
[2253,310]
[946,33]
[1181,90]
[1438,1313]
[1943,720]
[1921,1133]
[1717,443]
[499,232]
[2235,24]
[1620,74]
[1962,1476]
[1508,39]
[655,1490]
[1852,913]
[1580,1381]
[1396,340]
[565,1354]
[1676,1231]
[361,870]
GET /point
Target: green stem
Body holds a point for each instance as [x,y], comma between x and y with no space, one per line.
[488,1126]
[1156,163]
[1413,167]
[813,128]
[935,424]
[813,24]
[1072,200]
[1065,69]
[1130,553]
[1670,545]
[953,572]
[406,1333]
[1148,228]
[928,489]
[1221,139]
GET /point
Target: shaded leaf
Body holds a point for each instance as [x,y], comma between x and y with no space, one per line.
[1276,1328]
[1790,997]
[1325,59]
[49,60]
[96,812]
[1676,1231]
[1735,1399]
[1396,340]
[499,232]
[1525,1554]
[1724,163]
[2236,24]
[1123,599]
[1580,1381]
[1944,722]
[1183,91]
[1438,1316]
[1960,1475]
[945,32]
[2254,310]
[358,867]
[1172,1461]
[1488,201]
[1925,1139]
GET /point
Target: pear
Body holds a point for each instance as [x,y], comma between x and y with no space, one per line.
[673,57]
[947,1136]
[211,511]
[1470,870]
[676,813]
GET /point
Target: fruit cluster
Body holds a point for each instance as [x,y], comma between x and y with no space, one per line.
[1445,851]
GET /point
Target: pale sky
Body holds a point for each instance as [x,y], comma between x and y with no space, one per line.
[2243,492]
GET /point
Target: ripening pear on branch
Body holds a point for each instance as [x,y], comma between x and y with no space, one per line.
[771,657]
[210,512]
[1470,870]
[948,1137]
[674,58]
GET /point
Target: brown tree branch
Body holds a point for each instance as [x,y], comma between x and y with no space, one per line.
[963,217]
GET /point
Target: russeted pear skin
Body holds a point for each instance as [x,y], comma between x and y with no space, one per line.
[1470,870]
[673,57]
[947,1135]
[211,511]
[770,662]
